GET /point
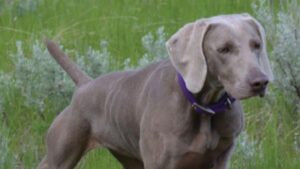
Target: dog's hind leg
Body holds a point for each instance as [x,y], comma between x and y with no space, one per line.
[43,164]
[67,140]
[127,162]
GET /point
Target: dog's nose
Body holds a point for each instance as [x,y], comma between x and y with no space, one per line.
[259,84]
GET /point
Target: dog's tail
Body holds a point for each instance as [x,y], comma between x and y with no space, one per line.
[77,75]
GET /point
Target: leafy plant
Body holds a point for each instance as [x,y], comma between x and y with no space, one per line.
[283,33]
[155,50]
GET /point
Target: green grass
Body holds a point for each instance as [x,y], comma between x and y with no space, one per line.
[268,122]
[80,24]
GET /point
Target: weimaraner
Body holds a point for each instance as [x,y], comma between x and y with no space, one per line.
[164,116]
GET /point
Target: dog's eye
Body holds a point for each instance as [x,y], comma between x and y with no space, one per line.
[256,45]
[225,49]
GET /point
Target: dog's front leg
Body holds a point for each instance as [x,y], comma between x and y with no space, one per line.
[222,161]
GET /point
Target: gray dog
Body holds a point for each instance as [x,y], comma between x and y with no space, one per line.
[179,113]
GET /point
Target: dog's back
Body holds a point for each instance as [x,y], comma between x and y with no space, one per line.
[117,102]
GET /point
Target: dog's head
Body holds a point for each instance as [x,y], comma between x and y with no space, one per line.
[231,48]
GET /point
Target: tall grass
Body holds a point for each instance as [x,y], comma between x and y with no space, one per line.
[104,36]
[81,24]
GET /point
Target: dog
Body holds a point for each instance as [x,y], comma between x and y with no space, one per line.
[180,113]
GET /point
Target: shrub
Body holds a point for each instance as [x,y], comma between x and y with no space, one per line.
[283,33]
[40,80]
[155,49]
[4,150]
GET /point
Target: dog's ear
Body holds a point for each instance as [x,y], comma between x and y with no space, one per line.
[185,49]
[263,58]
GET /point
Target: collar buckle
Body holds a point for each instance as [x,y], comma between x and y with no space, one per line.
[228,103]
[220,106]
[197,106]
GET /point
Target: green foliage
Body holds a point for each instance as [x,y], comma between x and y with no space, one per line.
[81,24]
[283,31]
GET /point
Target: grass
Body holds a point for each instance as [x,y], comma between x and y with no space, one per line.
[79,24]
[268,142]
[273,133]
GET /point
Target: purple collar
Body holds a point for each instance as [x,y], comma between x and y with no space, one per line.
[220,106]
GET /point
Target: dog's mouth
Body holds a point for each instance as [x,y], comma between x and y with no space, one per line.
[242,93]
[260,93]
[247,96]
[243,89]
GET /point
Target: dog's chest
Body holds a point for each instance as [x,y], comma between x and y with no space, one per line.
[230,123]
[205,148]
[204,154]
[214,140]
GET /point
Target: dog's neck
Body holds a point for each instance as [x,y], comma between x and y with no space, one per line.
[211,92]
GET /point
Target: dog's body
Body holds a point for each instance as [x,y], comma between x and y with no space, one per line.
[144,118]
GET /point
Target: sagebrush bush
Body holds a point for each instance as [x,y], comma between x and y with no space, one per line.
[23,6]
[41,80]
[283,35]
[155,49]
[154,46]
[20,7]
[3,149]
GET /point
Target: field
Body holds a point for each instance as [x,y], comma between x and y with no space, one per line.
[123,32]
